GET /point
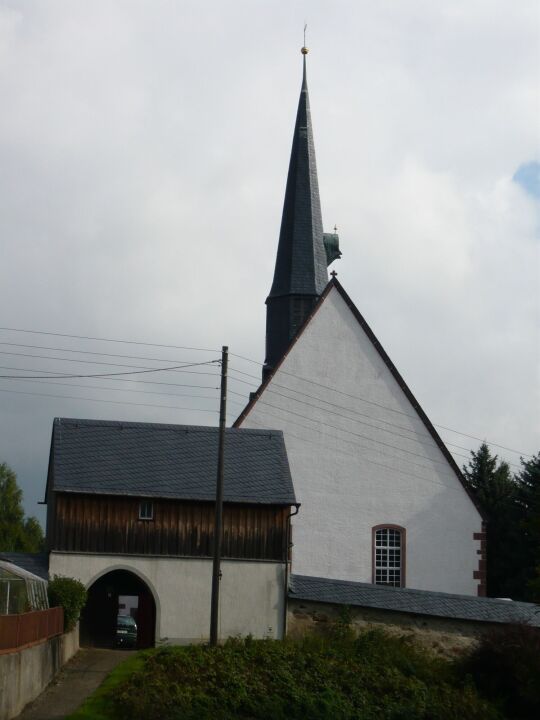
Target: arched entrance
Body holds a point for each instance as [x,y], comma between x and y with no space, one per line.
[118,592]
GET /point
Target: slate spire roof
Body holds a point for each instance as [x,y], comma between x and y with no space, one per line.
[304,250]
[301,257]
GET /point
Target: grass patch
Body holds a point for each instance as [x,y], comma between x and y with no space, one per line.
[98,705]
[372,677]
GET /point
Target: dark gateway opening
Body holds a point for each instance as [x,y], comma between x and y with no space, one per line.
[99,617]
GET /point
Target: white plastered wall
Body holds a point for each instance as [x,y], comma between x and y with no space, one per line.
[251,593]
[360,463]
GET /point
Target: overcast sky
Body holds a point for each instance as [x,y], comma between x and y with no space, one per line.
[144,148]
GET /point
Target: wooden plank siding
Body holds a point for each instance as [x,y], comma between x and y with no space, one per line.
[109,524]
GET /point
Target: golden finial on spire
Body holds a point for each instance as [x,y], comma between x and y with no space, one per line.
[304,50]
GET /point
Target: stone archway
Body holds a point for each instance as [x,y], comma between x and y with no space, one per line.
[99,616]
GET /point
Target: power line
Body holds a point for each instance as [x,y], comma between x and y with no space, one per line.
[241,357]
[369,402]
[486,440]
[395,470]
[176,368]
[109,364]
[257,378]
[360,422]
[65,376]
[332,412]
[100,339]
[84,352]
[364,437]
[114,402]
[354,443]
[357,445]
[129,390]
[346,417]
[350,432]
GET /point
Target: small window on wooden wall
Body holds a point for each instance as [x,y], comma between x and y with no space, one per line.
[146,510]
[389,555]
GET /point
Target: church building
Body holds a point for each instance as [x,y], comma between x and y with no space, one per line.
[335,480]
[383,501]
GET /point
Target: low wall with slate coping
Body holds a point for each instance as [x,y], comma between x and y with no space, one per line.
[24,674]
[445,636]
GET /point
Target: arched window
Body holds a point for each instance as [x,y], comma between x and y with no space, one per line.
[389,555]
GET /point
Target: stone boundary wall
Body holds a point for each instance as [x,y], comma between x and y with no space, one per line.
[25,673]
[447,637]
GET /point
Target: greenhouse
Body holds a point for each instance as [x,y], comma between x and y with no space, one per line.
[21,590]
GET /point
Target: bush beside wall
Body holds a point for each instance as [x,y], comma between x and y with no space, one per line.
[69,594]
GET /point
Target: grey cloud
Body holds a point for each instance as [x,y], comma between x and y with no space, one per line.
[143,157]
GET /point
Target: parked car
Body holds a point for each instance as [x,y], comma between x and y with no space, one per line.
[126,631]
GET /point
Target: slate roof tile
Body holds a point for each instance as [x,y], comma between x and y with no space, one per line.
[176,461]
[301,258]
[418,602]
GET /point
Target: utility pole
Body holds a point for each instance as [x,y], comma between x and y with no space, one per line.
[218,524]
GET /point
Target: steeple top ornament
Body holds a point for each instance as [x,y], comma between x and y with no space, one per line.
[304,49]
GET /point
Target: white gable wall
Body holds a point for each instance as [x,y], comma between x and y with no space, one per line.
[352,472]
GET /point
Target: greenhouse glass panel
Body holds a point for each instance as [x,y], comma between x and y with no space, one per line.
[20,590]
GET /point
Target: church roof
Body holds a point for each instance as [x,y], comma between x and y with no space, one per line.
[168,461]
[301,258]
[335,284]
[417,602]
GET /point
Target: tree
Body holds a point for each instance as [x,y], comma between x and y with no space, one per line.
[17,533]
[528,483]
[497,494]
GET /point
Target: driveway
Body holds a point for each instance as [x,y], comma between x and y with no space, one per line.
[74,683]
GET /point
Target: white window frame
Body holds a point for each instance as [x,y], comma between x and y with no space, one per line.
[146,510]
[389,555]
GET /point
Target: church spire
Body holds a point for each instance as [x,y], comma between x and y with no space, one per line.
[304,252]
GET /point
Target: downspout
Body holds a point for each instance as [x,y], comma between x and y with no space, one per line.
[288,546]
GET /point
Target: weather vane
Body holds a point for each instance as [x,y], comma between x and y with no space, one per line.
[304,50]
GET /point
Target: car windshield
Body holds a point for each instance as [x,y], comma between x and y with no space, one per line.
[126,620]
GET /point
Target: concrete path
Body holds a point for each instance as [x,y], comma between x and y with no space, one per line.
[74,683]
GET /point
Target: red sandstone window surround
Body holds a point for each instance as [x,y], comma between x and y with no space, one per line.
[388,555]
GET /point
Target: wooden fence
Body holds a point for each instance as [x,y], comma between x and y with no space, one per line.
[18,631]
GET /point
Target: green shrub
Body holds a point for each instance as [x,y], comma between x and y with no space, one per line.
[373,677]
[506,669]
[71,595]
[342,628]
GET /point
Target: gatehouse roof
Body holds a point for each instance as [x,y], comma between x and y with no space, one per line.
[168,461]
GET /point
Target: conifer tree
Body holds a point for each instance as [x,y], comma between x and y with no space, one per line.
[528,482]
[492,484]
